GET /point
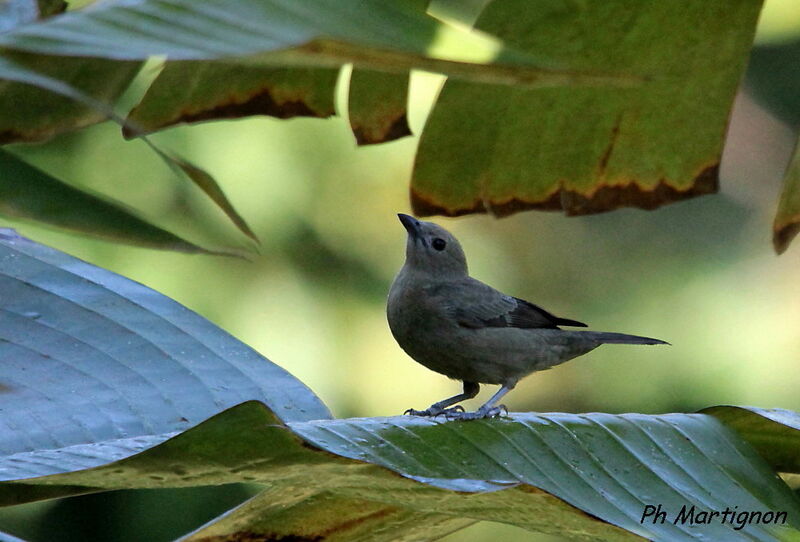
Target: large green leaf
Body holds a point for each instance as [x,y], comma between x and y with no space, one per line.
[541,472]
[787,220]
[103,366]
[372,33]
[585,150]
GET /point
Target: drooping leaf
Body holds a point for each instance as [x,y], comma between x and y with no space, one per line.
[206,183]
[29,193]
[774,433]
[787,220]
[186,92]
[583,475]
[102,366]
[371,33]
[586,150]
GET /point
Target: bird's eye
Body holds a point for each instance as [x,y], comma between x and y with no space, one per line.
[438,244]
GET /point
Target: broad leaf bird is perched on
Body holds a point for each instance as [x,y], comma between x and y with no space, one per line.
[466,330]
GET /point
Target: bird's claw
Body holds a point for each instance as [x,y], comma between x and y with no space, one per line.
[434,411]
[479,414]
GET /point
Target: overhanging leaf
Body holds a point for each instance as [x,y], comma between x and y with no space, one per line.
[103,366]
[187,92]
[587,150]
[29,193]
[375,34]
[787,220]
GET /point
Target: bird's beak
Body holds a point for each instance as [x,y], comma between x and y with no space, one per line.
[410,223]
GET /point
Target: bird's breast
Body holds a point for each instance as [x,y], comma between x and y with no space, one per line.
[422,331]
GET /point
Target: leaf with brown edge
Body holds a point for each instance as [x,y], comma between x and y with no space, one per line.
[585,149]
[787,220]
[195,91]
[377,106]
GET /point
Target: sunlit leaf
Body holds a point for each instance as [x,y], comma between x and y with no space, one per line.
[186,92]
[587,150]
[787,220]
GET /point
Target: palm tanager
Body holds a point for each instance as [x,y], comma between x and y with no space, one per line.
[466,330]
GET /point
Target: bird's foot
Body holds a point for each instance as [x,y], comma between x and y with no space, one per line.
[480,414]
[435,410]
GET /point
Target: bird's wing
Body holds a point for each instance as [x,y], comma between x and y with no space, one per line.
[474,304]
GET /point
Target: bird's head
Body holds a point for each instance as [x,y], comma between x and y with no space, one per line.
[431,249]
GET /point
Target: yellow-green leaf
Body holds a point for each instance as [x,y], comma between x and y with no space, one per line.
[590,149]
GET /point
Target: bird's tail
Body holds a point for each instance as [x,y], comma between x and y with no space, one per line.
[622,338]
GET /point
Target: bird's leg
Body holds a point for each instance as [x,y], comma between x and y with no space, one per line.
[488,409]
[471,389]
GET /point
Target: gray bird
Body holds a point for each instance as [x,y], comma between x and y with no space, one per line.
[466,330]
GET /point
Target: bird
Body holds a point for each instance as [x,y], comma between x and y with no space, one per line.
[466,330]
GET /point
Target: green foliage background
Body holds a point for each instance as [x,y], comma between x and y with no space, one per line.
[700,274]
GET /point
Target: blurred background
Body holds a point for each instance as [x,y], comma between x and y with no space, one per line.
[700,274]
